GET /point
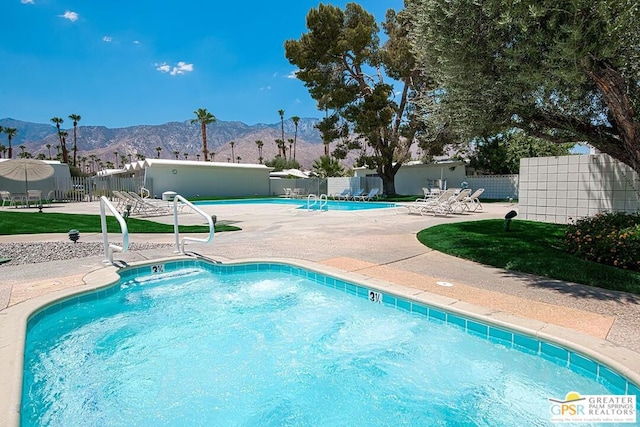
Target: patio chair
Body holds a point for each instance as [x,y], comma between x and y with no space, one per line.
[34,196]
[7,197]
[367,196]
[473,201]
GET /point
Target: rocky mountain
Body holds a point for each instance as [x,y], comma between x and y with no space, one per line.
[174,137]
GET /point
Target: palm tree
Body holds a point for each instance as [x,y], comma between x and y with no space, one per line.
[3,149]
[213,155]
[198,157]
[115,153]
[123,159]
[76,118]
[296,120]
[140,156]
[232,154]
[326,166]
[186,156]
[158,149]
[290,140]
[93,158]
[48,148]
[11,132]
[239,158]
[63,143]
[130,157]
[281,113]
[260,144]
[204,118]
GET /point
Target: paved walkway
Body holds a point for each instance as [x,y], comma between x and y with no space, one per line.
[379,244]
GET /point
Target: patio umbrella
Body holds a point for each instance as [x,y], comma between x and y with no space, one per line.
[25,170]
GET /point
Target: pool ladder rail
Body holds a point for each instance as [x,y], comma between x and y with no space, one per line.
[321,202]
[180,245]
[109,248]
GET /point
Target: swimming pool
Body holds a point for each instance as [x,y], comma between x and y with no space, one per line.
[191,343]
[332,205]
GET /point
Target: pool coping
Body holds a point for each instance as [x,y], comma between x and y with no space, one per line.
[13,320]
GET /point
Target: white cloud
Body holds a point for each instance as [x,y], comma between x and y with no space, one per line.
[293,74]
[71,16]
[26,1]
[265,88]
[180,68]
[136,42]
[107,39]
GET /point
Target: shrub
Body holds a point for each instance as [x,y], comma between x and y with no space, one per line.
[607,238]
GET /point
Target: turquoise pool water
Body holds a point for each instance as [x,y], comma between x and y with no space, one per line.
[332,205]
[272,344]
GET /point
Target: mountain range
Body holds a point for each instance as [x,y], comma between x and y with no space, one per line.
[181,137]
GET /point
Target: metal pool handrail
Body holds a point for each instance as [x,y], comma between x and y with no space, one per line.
[180,246]
[313,200]
[109,248]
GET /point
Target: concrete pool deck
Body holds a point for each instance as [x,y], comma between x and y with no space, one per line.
[374,245]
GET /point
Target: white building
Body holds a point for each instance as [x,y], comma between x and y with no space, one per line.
[194,178]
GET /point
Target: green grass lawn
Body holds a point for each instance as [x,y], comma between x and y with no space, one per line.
[38,223]
[530,247]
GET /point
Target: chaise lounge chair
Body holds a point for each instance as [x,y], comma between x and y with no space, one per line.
[368,196]
[473,201]
[346,193]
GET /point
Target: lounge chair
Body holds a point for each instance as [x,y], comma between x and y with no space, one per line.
[355,194]
[368,196]
[432,204]
[473,201]
[346,193]
[455,203]
[150,207]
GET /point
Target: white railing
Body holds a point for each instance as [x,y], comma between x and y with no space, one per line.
[321,201]
[109,248]
[180,245]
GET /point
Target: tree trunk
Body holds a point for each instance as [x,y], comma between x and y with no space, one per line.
[611,84]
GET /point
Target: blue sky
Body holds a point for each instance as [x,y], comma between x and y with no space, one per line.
[120,63]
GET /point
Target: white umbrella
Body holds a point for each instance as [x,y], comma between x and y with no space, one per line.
[25,170]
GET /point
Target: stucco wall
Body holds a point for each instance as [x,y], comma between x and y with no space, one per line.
[192,179]
[559,189]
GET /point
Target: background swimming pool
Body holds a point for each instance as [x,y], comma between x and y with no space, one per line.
[261,347]
[332,205]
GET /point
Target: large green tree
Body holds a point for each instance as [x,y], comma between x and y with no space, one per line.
[349,72]
[500,154]
[562,70]
[203,117]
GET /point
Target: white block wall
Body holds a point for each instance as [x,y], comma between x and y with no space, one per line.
[561,189]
